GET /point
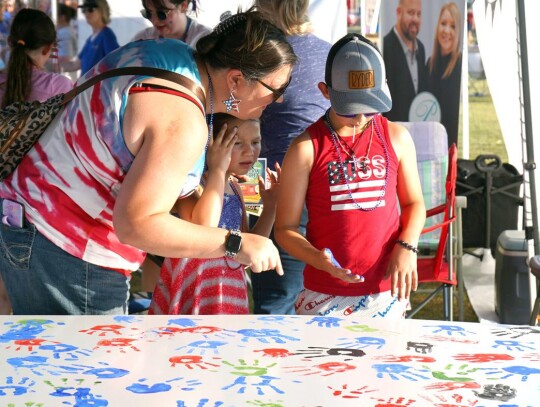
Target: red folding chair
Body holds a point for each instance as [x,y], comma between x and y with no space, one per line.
[438,267]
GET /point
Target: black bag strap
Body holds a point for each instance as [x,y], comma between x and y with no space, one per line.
[139,70]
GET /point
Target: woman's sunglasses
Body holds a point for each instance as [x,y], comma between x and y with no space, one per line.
[161,15]
[88,9]
[276,92]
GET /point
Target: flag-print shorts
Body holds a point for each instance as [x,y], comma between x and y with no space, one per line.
[381,305]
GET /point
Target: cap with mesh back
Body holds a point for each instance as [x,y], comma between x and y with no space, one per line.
[356,77]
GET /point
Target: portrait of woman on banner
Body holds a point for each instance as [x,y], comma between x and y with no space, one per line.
[444,67]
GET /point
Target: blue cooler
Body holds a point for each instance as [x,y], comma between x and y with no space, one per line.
[512,290]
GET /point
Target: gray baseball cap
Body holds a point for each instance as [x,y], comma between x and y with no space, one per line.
[356,77]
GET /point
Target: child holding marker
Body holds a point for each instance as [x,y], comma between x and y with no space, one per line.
[218,286]
[356,173]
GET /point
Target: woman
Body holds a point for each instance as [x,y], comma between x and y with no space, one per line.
[66,35]
[31,39]
[302,105]
[170,20]
[107,173]
[444,68]
[100,43]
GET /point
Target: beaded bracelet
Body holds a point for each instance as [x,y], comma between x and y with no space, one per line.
[407,246]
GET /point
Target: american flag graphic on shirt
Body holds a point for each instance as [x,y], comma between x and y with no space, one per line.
[351,187]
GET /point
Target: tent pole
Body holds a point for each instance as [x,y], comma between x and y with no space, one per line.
[530,165]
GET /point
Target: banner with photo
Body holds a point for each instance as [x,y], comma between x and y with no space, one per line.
[422,44]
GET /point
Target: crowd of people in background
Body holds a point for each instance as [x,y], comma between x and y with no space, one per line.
[143,165]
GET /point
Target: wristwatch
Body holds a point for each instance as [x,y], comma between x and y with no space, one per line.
[233,243]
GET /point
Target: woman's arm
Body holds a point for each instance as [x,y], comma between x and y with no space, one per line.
[293,186]
[402,263]
[166,145]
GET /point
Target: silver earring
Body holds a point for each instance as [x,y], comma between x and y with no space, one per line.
[232,103]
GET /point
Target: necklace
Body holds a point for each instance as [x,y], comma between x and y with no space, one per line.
[210,120]
[345,178]
[357,161]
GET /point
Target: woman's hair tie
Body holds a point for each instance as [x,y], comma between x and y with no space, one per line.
[228,21]
[21,42]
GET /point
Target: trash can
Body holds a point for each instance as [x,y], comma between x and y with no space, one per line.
[512,290]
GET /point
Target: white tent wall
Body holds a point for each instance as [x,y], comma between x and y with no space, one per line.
[498,41]
[328,17]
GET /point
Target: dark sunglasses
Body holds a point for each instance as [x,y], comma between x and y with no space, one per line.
[276,92]
[88,9]
[350,116]
[161,15]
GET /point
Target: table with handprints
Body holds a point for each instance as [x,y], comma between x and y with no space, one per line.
[265,361]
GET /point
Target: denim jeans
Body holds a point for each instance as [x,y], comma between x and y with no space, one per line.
[43,279]
[274,294]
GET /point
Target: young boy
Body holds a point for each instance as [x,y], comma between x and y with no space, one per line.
[356,172]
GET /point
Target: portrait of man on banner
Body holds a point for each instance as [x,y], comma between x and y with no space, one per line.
[422,43]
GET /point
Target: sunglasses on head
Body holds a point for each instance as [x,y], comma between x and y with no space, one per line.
[276,92]
[161,15]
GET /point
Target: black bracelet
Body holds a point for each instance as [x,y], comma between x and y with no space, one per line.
[407,246]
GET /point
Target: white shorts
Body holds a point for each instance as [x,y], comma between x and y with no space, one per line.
[381,305]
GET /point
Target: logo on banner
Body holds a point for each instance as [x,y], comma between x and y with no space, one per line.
[425,108]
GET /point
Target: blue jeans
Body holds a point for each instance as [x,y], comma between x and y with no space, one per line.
[274,294]
[43,279]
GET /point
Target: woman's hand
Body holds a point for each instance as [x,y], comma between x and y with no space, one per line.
[259,254]
[218,155]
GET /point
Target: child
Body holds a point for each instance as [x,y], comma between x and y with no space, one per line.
[218,286]
[349,167]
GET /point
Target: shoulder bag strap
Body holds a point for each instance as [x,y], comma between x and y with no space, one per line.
[139,70]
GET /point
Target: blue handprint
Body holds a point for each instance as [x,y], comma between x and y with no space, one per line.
[523,371]
[513,345]
[16,389]
[64,351]
[364,342]
[265,335]
[326,322]
[396,371]
[203,347]
[451,330]
[39,365]
[202,403]
[83,396]
[183,322]
[242,383]
[25,329]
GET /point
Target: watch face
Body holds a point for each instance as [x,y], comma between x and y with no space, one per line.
[233,243]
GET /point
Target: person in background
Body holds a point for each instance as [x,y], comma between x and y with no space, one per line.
[100,43]
[405,59]
[170,20]
[66,36]
[218,286]
[444,67]
[301,105]
[356,172]
[31,39]
[107,173]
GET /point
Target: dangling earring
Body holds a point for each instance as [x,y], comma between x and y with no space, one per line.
[232,103]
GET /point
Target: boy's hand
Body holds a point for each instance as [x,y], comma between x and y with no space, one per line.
[218,155]
[333,268]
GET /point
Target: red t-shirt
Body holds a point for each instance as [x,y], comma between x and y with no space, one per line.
[360,240]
